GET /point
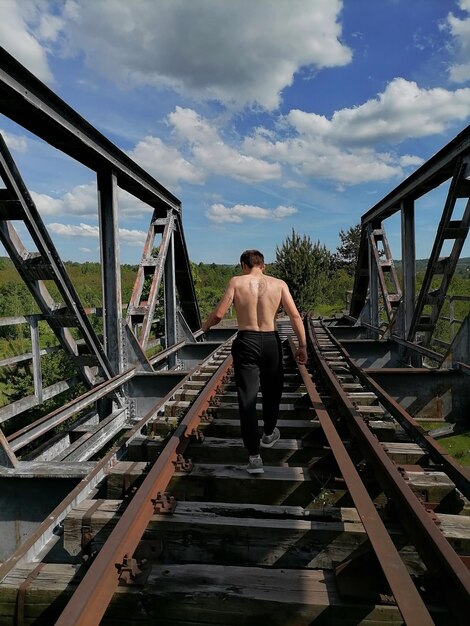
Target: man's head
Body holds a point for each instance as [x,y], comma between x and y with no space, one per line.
[251,259]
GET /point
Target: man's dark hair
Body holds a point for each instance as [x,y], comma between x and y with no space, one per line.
[252,258]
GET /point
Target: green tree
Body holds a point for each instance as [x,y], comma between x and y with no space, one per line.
[305,267]
[348,250]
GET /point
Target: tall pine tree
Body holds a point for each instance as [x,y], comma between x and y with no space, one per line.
[305,267]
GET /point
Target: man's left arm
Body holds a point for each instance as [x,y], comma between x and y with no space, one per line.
[221,309]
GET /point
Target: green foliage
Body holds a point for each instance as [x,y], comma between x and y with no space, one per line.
[210,281]
[458,446]
[348,250]
[334,295]
[305,267]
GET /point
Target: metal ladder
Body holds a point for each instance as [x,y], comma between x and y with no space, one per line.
[46,264]
[449,229]
[140,312]
[391,292]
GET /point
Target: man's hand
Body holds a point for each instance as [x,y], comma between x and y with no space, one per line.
[301,355]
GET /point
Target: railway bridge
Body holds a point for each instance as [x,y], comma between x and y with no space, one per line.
[130,502]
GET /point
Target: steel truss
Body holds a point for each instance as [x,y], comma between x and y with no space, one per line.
[28,102]
[411,319]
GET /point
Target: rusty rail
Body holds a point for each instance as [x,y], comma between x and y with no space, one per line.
[459,474]
[407,597]
[90,600]
[433,548]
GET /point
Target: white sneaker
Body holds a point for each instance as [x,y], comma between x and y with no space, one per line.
[255,465]
[267,441]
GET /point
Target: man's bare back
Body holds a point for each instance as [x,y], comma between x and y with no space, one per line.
[257,299]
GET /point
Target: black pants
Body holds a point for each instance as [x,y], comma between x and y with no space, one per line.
[257,360]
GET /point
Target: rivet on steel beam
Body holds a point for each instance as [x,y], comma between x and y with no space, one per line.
[432,515]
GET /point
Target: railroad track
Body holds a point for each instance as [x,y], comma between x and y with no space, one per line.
[358,518]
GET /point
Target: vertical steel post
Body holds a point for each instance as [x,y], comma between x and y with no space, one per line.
[35,349]
[170,299]
[408,255]
[373,283]
[110,268]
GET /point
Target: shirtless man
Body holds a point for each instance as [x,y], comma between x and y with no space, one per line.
[256,351]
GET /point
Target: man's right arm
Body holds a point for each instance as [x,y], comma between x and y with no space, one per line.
[222,308]
[297,323]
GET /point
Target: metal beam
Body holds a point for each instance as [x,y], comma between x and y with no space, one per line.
[435,171]
[373,284]
[110,268]
[170,300]
[408,252]
[28,102]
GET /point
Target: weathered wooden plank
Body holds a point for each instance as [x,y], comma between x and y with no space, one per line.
[221,596]
[404,453]
[235,534]
[290,428]
[431,486]
[47,469]
[287,410]
[278,485]
[122,476]
[230,534]
[217,450]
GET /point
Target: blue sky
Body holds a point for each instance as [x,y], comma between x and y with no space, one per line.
[260,116]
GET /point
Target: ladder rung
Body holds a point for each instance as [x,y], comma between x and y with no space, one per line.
[152,261]
[86,360]
[425,327]
[10,208]
[432,297]
[37,268]
[441,265]
[137,311]
[62,318]
[455,230]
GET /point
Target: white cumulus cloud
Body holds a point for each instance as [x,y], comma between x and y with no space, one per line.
[73,230]
[17,143]
[220,213]
[460,30]
[402,111]
[18,34]
[131,237]
[165,162]
[82,200]
[239,52]
[211,153]
[344,148]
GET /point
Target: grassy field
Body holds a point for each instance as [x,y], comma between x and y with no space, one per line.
[458,446]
